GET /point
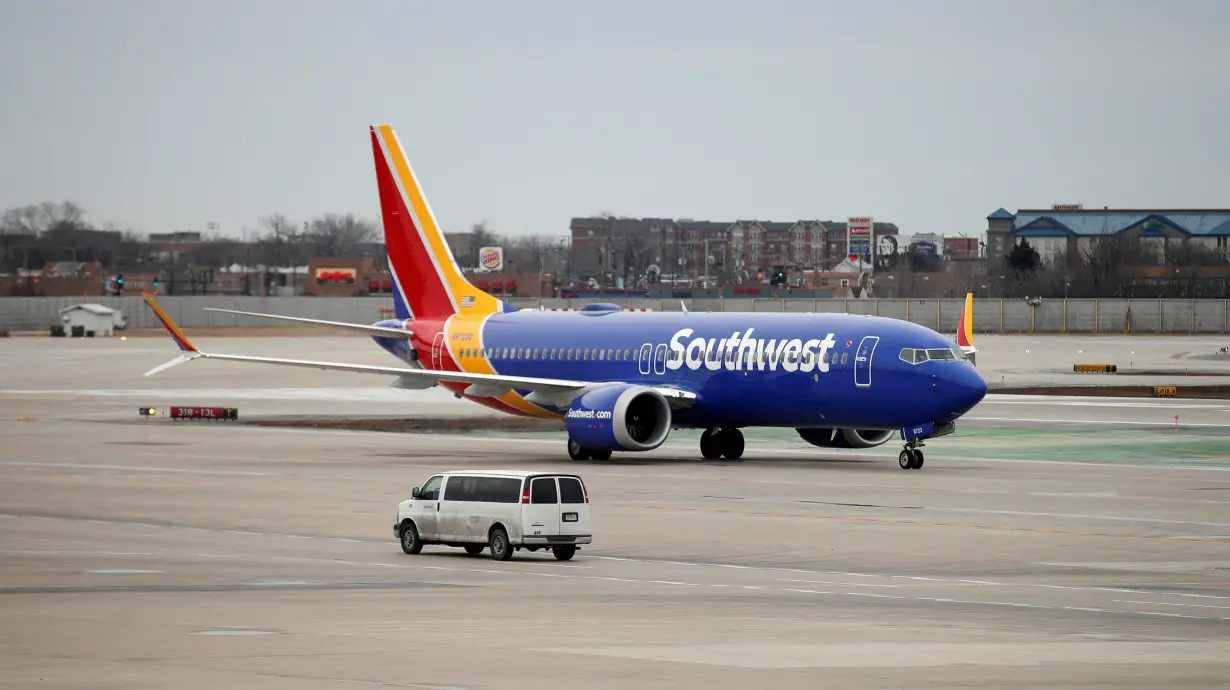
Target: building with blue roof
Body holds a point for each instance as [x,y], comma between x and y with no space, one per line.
[1071,229]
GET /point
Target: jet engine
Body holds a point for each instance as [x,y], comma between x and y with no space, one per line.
[846,438]
[619,417]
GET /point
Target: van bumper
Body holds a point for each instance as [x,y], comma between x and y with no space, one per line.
[553,540]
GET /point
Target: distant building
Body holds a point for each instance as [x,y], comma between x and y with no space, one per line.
[1070,229]
[719,250]
[88,320]
[962,248]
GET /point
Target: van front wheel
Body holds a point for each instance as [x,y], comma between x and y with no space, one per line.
[410,542]
[564,552]
[501,550]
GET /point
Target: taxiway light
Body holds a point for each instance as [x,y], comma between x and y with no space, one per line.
[146,411]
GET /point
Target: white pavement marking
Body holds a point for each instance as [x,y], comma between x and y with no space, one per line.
[529,573]
[231,633]
[1167,603]
[1090,401]
[844,584]
[133,468]
[1055,420]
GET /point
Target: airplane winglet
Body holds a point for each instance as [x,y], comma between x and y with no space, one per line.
[176,334]
[186,347]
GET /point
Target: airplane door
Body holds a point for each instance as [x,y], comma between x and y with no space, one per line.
[436,344]
[659,360]
[862,360]
[646,354]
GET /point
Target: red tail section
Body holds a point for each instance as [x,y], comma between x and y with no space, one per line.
[419,257]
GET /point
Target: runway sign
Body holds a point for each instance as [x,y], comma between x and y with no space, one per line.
[1095,368]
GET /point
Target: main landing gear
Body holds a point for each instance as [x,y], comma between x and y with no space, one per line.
[717,442]
[578,452]
[911,458]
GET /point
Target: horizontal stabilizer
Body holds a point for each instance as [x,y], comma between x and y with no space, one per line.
[186,357]
[362,328]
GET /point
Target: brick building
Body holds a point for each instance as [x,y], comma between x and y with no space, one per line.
[719,250]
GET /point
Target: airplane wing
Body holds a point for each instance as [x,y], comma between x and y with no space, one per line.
[362,328]
[560,392]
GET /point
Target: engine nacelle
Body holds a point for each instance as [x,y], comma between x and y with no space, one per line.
[846,438]
[619,417]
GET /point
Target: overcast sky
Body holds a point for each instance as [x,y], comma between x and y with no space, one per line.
[165,114]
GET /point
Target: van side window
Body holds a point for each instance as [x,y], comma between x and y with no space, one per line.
[431,490]
[570,490]
[498,490]
[460,489]
[543,491]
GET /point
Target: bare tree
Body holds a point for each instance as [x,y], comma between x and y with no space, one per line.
[336,234]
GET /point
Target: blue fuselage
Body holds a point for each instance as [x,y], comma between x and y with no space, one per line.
[746,369]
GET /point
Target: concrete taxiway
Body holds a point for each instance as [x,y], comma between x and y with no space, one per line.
[1050,542]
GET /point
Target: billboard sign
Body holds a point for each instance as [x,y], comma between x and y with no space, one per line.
[491,258]
[858,237]
[929,242]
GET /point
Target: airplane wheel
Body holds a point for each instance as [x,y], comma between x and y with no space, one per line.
[918,460]
[710,445]
[600,455]
[576,451]
[906,459]
[732,444]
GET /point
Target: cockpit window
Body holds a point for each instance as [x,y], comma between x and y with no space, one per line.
[915,355]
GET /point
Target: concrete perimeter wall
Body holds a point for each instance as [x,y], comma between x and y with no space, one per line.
[990,315]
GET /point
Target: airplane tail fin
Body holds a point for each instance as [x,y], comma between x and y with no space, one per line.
[965,328]
[427,282]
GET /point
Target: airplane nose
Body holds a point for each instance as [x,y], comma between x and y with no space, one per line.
[961,390]
[970,388]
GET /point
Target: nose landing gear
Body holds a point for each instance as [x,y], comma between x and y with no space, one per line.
[911,458]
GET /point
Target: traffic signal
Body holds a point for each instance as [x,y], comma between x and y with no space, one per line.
[119,283]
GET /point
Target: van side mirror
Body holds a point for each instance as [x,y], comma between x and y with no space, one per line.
[416,492]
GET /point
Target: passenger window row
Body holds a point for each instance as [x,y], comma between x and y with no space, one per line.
[628,355]
[558,353]
[792,358]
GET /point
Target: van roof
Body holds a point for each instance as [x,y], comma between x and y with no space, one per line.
[512,473]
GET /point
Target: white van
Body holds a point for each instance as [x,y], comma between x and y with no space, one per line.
[505,510]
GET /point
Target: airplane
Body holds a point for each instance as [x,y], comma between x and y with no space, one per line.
[620,380]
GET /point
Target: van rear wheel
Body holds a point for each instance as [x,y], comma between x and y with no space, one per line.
[564,552]
[501,550]
[474,549]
